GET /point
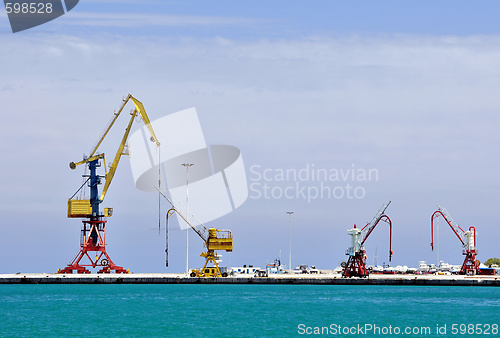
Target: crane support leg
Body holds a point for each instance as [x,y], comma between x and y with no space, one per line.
[210,255]
[355,266]
[93,240]
[470,265]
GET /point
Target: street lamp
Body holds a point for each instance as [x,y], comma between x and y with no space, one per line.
[187,165]
[290,240]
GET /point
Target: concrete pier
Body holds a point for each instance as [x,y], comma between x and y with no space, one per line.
[323,279]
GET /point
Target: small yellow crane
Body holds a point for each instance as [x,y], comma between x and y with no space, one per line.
[214,239]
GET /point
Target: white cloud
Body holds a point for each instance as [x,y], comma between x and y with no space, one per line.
[422,110]
[151,20]
[388,87]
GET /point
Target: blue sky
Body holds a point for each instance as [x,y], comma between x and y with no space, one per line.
[410,90]
[294,18]
[280,19]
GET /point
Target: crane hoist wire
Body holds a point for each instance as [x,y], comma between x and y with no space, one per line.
[159,187]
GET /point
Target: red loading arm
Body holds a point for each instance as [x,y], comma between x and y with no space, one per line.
[386,219]
[455,227]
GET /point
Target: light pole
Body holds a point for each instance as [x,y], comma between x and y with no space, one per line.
[437,246]
[290,240]
[187,165]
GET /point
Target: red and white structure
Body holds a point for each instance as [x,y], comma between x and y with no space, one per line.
[470,265]
[356,264]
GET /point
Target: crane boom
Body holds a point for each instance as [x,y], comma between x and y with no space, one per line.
[202,234]
[142,112]
[116,160]
[373,223]
[88,208]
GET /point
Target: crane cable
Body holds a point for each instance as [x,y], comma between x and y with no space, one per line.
[159,188]
[82,192]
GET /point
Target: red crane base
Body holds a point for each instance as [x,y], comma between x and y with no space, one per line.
[355,266]
[93,239]
[470,265]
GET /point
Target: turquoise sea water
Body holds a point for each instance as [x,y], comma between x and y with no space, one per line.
[247,310]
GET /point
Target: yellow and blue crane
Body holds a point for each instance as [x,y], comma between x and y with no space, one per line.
[93,233]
